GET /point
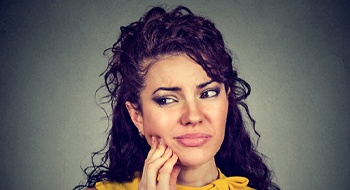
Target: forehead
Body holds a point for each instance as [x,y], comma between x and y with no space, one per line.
[175,70]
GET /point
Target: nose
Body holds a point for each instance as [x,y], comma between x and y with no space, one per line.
[192,114]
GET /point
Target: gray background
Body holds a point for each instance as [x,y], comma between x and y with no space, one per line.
[295,55]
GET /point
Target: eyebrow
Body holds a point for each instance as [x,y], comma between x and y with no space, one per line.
[176,89]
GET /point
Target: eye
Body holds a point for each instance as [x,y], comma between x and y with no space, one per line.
[162,101]
[210,93]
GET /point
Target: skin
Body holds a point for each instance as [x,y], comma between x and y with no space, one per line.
[180,99]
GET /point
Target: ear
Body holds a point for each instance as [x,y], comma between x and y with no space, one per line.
[135,116]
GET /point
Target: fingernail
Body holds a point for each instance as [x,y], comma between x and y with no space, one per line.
[153,140]
[167,150]
[161,141]
[175,156]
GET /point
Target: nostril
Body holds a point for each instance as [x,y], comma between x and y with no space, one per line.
[191,115]
[193,123]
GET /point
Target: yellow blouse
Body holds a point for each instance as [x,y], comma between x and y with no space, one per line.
[223,183]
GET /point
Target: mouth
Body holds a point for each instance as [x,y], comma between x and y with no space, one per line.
[193,139]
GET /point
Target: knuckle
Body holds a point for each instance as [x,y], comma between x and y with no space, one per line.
[147,161]
[151,166]
[165,170]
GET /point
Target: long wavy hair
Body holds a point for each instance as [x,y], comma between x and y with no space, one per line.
[156,34]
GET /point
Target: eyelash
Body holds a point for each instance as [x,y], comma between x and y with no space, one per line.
[205,93]
[163,100]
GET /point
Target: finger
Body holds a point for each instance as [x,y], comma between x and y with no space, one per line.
[152,169]
[173,175]
[153,162]
[149,155]
[166,173]
[158,152]
[154,144]
[143,181]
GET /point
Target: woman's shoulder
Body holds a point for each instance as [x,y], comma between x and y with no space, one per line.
[108,185]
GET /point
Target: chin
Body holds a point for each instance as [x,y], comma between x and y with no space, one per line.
[193,159]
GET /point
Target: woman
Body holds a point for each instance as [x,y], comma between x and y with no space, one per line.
[176,99]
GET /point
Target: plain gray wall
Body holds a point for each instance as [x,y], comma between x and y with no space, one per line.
[295,55]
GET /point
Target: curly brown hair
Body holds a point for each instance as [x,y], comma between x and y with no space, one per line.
[160,33]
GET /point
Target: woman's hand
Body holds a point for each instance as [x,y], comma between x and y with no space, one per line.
[160,160]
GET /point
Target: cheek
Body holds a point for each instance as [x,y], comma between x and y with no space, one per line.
[157,123]
[220,116]
[223,114]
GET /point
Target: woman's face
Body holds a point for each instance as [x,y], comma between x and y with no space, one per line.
[184,107]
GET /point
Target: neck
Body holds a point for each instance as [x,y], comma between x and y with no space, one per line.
[197,176]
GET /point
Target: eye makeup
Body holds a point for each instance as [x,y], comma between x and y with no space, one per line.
[164,100]
[210,93]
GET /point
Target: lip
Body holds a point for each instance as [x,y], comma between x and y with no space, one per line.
[193,139]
